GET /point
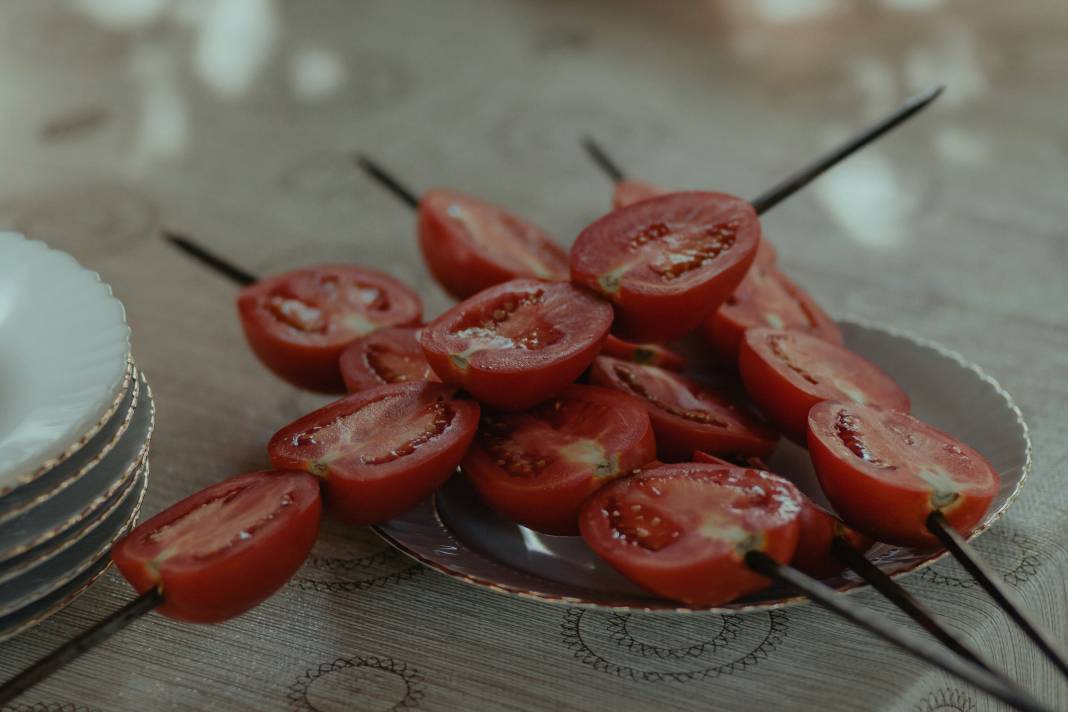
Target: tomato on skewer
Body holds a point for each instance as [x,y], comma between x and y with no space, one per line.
[645,354]
[537,467]
[766,297]
[667,262]
[682,531]
[470,245]
[299,322]
[818,529]
[385,356]
[788,372]
[885,472]
[380,451]
[517,344]
[221,551]
[686,415]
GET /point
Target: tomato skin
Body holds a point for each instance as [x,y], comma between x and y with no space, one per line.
[228,583]
[627,192]
[549,501]
[359,492]
[461,265]
[695,567]
[359,362]
[510,377]
[646,354]
[667,262]
[761,299]
[309,359]
[786,397]
[894,510]
[678,436]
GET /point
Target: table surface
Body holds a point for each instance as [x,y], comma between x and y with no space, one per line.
[235,122]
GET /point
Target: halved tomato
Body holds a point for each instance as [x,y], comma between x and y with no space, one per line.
[646,354]
[683,531]
[470,245]
[385,356]
[788,372]
[223,550]
[766,297]
[666,263]
[380,451]
[299,322]
[686,415]
[885,472]
[537,467]
[627,192]
[518,343]
[819,529]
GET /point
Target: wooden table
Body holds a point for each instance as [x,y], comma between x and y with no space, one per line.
[235,125]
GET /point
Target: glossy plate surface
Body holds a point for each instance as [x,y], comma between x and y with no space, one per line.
[54,398]
[33,613]
[459,536]
[46,523]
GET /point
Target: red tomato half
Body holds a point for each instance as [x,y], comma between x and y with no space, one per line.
[818,530]
[885,472]
[299,322]
[788,372]
[646,354]
[519,343]
[682,531]
[668,262]
[223,550]
[686,415]
[537,467]
[470,245]
[385,356]
[766,297]
[382,450]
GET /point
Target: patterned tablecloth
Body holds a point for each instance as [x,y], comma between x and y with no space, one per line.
[234,122]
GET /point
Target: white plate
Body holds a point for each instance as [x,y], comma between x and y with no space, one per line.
[56,571]
[49,520]
[34,613]
[64,347]
[455,533]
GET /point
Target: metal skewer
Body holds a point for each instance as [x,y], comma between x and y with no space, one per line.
[966,556]
[827,597]
[210,260]
[794,182]
[388,181]
[80,644]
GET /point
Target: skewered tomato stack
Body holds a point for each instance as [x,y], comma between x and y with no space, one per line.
[554,388]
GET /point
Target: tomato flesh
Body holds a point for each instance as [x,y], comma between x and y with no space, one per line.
[299,322]
[517,344]
[645,354]
[682,531]
[385,356]
[686,415]
[885,472]
[766,297]
[537,467]
[223,550]
[667,262]
[380,451]
[470,245]
[788,372]
[627,192]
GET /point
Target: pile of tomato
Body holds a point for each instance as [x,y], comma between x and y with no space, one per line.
[553,386]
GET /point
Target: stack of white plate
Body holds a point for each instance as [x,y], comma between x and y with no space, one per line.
[76,419]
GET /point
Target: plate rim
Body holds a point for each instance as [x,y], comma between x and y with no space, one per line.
[663,606]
